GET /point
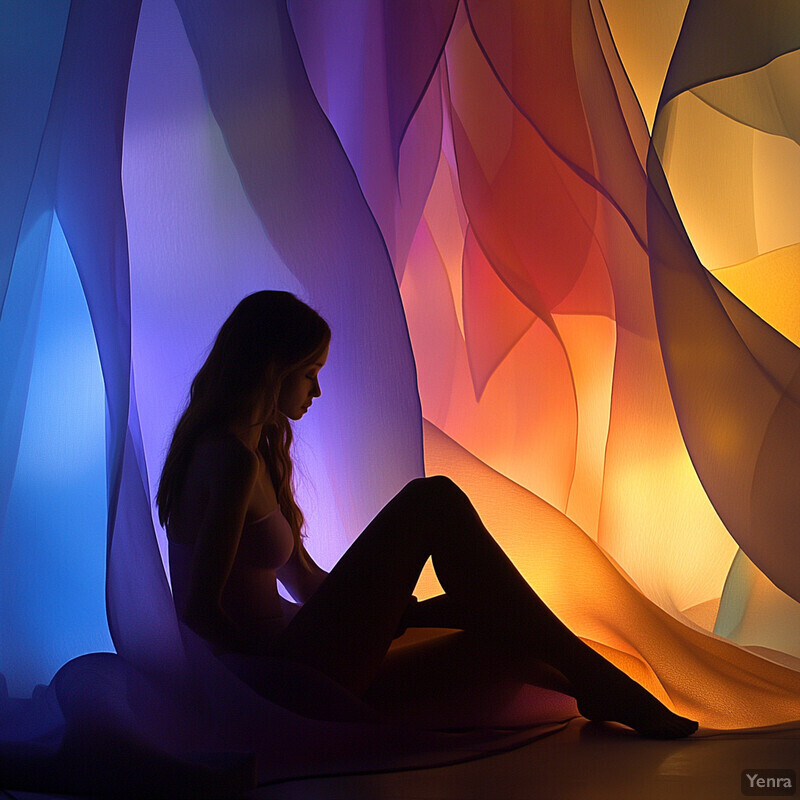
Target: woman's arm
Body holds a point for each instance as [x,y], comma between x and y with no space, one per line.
[300,575]
[230,472]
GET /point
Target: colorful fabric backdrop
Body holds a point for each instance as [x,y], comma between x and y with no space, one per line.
[558,244]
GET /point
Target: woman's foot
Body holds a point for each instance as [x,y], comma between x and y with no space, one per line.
[623,700]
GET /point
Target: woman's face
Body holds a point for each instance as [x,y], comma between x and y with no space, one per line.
[300,387]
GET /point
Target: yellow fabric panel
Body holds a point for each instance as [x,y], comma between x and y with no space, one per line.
[698,674]
[770,286]
[708,160]
[645,36]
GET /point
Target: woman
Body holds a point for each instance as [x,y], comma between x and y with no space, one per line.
[235,529]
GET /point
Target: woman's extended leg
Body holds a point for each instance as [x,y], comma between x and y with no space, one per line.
[345,629]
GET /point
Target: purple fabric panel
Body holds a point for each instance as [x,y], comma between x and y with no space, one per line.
[368,85]
[140,610]
[416,33]
[305,193]
[196,246]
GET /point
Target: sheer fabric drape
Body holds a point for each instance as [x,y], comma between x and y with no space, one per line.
[573,297]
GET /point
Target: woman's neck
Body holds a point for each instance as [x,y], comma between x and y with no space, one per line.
[248,432]
[250,429]
[249,436]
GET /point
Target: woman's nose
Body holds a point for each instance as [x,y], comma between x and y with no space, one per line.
[315,390]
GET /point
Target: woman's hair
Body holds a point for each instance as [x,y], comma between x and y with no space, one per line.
[267,336]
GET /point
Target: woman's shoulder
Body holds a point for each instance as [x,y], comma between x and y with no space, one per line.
[221,469]
[219,454]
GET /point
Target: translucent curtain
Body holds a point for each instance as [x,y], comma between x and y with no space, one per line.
[576,299]
[66,215]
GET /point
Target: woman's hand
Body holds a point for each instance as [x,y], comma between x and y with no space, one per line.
[300,575]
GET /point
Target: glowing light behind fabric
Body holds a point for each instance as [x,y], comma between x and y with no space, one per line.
[56,513]
[481,214]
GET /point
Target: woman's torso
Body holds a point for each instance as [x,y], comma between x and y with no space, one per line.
[250,595]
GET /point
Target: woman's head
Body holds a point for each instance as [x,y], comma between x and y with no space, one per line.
[268,337]
[300,386]
[264,360]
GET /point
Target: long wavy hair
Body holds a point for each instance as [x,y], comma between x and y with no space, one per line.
[267,336]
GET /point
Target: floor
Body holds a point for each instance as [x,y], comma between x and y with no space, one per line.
[581,762]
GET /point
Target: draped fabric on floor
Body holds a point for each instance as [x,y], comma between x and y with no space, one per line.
[558,244]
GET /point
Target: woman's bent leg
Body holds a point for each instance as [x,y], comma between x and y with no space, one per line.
[347,626]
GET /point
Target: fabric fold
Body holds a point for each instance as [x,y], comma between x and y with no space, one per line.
[467,191]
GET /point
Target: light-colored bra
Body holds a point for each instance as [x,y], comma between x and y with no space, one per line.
[267,542]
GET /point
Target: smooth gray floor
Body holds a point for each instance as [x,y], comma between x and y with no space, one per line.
[582,762]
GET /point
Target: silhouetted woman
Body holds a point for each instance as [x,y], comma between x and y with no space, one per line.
[235,529]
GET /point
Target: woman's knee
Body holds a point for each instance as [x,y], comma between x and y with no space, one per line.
[437,493]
